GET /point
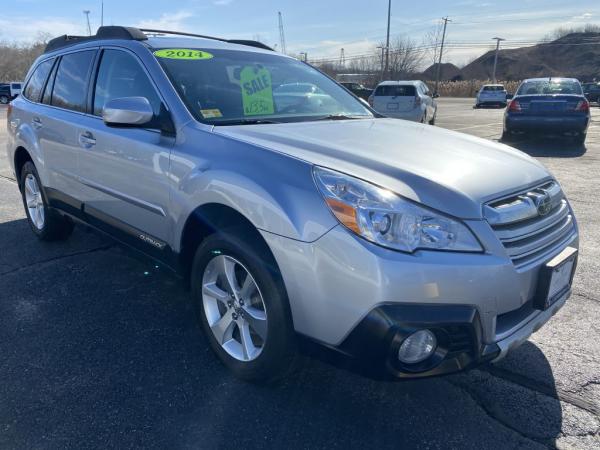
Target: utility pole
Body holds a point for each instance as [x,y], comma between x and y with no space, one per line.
[87,16]
[439,66]
[281,34]
[497,39]
[382,59]
[102,13]
[387,41]
[342,59]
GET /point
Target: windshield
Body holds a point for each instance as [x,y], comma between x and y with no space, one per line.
[493,88]
[549,87]
[230,87]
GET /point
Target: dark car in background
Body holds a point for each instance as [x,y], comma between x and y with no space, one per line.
[358,89]
[592,92]
[8,91]
[549,106]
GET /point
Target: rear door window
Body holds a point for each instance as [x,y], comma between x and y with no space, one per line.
[70,84]
[395,91]
[120,75]
[36,83]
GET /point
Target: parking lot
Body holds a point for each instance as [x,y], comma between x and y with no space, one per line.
[101,349]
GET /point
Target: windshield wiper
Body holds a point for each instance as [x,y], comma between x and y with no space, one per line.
[245,122]
[342,117]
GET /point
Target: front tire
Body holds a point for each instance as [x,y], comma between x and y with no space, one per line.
[46,223]
[4,99]
[243,308]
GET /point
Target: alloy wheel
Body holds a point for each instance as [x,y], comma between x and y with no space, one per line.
[234,308]
[34,201]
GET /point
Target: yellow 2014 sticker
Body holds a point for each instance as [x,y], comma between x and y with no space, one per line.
[182,53]
[257,91]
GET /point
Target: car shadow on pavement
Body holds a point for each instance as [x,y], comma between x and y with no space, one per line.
[103,349]
[557,147]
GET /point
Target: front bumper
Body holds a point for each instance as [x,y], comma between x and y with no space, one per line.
[355,297]
[559,124]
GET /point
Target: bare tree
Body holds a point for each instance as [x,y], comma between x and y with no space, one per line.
[16,59]
[405,58]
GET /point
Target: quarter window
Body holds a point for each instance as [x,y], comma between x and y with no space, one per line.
[38,79]
[70,84]
[120,75]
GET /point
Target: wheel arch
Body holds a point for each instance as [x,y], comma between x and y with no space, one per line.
[20,158]
[210,218]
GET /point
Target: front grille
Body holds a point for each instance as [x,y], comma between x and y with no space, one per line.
[533,224]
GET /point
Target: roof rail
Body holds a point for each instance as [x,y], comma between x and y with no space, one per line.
[249,43]
[106,32]
[136,34]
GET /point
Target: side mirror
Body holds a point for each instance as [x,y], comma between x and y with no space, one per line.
[509,96]
[128,111]
[436,95]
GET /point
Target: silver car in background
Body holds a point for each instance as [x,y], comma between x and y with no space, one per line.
[295,214]
[408,100]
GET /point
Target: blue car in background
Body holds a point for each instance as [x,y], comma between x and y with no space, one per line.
[548,105]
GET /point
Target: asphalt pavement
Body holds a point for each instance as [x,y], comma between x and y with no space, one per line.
[100,349]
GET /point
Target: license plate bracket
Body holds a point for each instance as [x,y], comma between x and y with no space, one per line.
[555,278]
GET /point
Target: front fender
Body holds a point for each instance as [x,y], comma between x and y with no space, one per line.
[275,192]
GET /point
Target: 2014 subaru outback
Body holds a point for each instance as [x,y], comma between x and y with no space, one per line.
[411,249]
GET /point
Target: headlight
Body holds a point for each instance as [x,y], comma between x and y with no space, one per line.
[389,220]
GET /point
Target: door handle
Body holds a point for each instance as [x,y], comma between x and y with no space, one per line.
[37,123]
[87,140]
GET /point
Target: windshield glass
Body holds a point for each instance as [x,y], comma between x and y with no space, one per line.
[229,87]
[549,87]
[493,88]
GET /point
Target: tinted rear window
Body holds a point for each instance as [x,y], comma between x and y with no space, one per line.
[395,91]
[37,81]
[71,81]
[493,88]
[550,87]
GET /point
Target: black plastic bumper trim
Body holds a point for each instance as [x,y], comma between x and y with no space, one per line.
[375,341]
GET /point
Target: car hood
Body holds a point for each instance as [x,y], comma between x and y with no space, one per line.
[451,172]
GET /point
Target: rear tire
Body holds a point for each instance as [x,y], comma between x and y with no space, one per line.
[232,318]
[45,222]
[580,138]
[507,136]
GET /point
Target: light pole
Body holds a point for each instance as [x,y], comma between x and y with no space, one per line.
[439,66]
[387,41]
[87,16]
[497,39]
[102,13]
[382,60]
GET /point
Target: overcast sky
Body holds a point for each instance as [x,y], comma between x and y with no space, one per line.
[319,27]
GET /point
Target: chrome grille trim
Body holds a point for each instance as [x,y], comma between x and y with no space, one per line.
[533,224]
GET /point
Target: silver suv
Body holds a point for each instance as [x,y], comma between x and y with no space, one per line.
[294,214]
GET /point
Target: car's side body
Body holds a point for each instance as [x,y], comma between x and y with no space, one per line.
[162,190]
[409,100]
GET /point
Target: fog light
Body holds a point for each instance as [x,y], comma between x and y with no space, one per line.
[417,347]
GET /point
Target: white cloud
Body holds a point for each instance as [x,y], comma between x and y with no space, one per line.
[584,16]
[222,2]
[24,29]
[172,21]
